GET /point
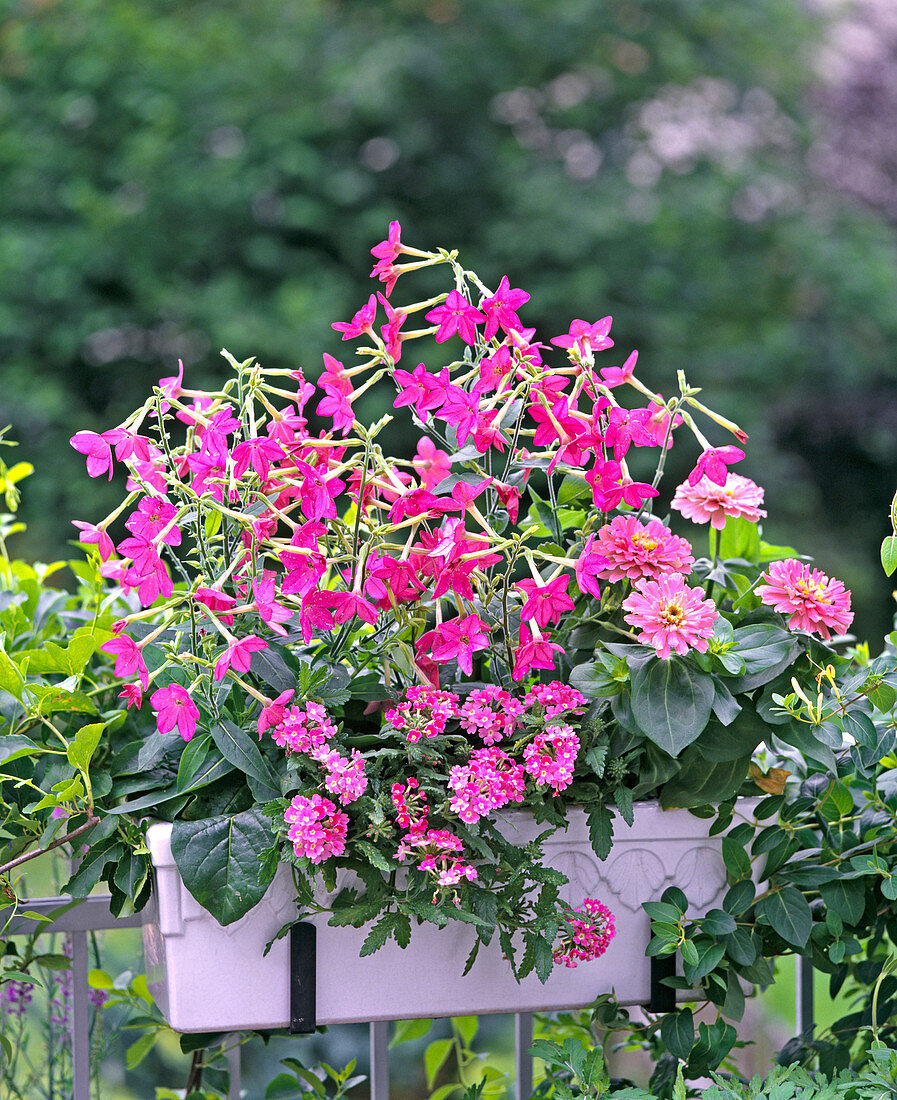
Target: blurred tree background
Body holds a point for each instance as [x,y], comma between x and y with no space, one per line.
[180,176]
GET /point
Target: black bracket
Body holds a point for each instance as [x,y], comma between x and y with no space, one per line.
[302,979]
[663,998]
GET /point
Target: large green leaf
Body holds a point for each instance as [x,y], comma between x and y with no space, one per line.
[236,746]
[671,702]
[220,860]
[700,782]
[720,743]
[765,649]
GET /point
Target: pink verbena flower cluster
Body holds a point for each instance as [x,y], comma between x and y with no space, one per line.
[551,756]
[488,781]
[307,729]
[491,713]
[440,853]
[317,828]
[423,713]
[587,938]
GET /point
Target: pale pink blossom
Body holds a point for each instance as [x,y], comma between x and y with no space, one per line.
[670,615]
[705,501]
[813,601]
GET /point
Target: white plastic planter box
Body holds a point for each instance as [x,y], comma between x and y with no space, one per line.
[206,977]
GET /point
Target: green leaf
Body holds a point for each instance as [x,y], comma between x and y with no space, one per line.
[788,914]
[82,748]
[740,897]
[671,702]
[435,1056]
[11,679]
[623,802]
[467,1027]
[677,1030]
[846,897]
[14,746]
[191,759]
[736,859]
[739,539]
[138,1050]
[700,782]
[717,922]
[241,750]
[601,830]
[220,858]
[719,743]
[765,649]
[889,554]
[409,1030]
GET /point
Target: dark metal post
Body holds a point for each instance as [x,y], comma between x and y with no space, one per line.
[302,979]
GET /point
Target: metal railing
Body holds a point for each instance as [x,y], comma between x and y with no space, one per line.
[92,915]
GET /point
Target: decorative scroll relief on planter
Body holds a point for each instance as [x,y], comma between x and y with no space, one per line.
[209,978]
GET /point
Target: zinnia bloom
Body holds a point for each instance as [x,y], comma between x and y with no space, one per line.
[634,550]
[707,501]
[814,601]
[671,615]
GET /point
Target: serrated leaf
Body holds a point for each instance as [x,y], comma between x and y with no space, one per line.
[601,830]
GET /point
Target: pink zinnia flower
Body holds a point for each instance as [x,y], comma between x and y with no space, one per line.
[706,501]
[814,601]
[670,615]
[634,550]
[174,707]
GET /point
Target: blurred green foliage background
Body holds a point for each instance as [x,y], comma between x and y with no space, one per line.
[182,175]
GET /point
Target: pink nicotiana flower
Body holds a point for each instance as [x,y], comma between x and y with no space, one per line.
[670,615]
[583,339]
[456,315]
[385,253]
[128,658]
[431,464]
[533,651]
[90,533]
[634,550]
[713,462]
[459,639]
[813,601]
[500,310]
[155,515]
[706,501]
[218,602]
[317,829]
[133,695]
[617,376]
[547,602]
[238,655]
[587,936]
[98,451]
[362,322]
[175,709]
